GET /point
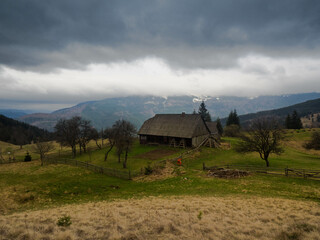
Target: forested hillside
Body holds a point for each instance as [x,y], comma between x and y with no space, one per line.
[303,109]
[20,133]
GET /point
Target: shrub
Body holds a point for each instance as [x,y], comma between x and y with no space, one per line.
[231,131]
[314,143]
[64,221]
[27,158]
[148,170]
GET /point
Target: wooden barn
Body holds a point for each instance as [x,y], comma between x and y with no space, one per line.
[177,130]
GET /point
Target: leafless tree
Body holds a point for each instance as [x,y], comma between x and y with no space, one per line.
[110,134]
[96,136]
[124,136]
[264,137]
[42,148]
[67,132]
[86,133]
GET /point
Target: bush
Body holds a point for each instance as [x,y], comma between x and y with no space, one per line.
[231,131]
[148,170]
[27,158]
[64,221]
[314,143]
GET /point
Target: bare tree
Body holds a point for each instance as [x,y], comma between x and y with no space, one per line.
[42,148]
[86,133]
[264,137]
[124,136]
[110,133]
[96,136]
[67,132]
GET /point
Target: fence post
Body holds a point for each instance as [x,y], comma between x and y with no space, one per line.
[286,171]
[304,174]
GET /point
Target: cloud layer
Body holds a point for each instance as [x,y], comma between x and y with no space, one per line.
[70,51]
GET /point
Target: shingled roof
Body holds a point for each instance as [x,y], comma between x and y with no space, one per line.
[212,127]
[175,125]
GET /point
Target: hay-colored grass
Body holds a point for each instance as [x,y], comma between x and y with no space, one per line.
[171,218]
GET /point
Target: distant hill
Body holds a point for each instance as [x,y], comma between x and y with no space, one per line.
[137,109]
[13,113]
[19,133]
[304,109]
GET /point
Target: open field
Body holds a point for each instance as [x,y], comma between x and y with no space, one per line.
[171,218]
[173,202]
[27,185]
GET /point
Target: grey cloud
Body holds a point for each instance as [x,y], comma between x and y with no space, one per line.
[46,34]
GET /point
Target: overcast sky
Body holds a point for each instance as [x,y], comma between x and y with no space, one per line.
[58,53]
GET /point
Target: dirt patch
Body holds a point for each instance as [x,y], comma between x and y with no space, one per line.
[157,154]
[159,173]
[227,173]
[225,145]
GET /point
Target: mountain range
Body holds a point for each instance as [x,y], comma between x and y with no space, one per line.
[303,109]
[137,109]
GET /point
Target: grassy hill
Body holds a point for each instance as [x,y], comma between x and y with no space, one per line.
[28,185]
[166,203]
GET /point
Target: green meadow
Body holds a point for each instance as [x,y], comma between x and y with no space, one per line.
[27,185]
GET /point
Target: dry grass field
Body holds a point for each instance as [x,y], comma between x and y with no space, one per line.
[171,218]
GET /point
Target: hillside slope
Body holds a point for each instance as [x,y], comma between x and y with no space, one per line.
[303,109]
[19,133]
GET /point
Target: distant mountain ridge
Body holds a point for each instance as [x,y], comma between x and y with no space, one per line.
[303,109]
[13,113]
[137,109]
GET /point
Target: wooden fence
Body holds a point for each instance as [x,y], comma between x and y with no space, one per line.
[123,174]
[6,161]
[289,172]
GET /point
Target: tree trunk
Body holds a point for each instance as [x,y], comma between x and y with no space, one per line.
[98,145]
[80,149]
[125,159]
[107,153]
[266,156]
[74,151]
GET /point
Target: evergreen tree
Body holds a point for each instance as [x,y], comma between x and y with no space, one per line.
[288,122]
[293,121]
[296,121]
[233,118]
[219,126]
[204,112]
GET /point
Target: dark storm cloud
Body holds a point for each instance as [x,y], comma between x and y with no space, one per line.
[61,33]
